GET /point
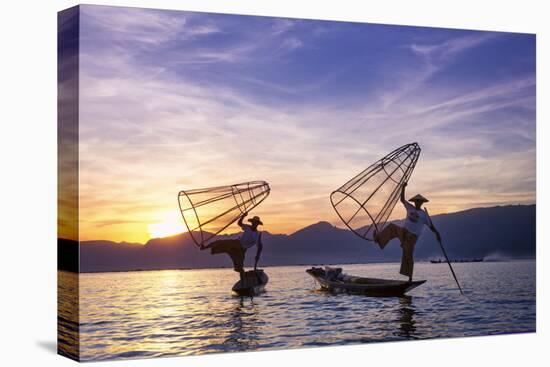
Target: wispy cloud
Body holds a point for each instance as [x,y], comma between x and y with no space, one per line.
[142,26]
[280,26]
[292,43]
[191,101]
[435,54]
[433,58]
[499,90]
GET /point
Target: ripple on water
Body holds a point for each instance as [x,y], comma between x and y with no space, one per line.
[162,313]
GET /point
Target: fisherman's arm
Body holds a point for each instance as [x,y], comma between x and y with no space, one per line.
[260,247]
[403,193]
[240,222]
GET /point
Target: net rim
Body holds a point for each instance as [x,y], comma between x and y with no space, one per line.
[248,186]
[412,150]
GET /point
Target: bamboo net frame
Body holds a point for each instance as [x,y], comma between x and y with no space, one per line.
[366,201]
[207,212]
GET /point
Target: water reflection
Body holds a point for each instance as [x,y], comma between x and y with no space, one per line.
[243,325]
[405,318]
[162,313]
[68,341]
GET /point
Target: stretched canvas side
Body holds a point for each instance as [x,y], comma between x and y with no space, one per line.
[68,342]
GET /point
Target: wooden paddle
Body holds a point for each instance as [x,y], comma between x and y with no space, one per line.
[446,257]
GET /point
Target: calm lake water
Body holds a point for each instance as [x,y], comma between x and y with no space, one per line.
[180,312]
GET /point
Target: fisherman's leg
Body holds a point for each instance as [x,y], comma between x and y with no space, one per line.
[241,275]
[215,243]
[407,258]
[389,232]
[237,256]
[218,244]
[223,246]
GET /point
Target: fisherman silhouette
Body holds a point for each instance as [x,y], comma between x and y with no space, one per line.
[416,219]
[236,248]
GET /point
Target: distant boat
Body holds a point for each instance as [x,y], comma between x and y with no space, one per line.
[439,261]
[333,280]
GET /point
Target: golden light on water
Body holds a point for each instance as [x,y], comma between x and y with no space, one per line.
[169,224]
[179,312]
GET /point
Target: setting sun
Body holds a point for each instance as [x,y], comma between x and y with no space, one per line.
[170,224]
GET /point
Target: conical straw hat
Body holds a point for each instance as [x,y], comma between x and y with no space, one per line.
[256,219]
[419,197]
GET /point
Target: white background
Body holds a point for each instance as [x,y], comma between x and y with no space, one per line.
[28,181]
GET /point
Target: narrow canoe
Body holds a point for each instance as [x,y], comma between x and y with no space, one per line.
[367,286]
[254,283]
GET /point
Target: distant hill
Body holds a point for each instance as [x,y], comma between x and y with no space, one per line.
[506,231]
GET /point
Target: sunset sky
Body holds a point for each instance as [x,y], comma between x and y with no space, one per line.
[178,100]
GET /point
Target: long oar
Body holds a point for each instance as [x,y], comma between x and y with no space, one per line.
[450,267]
[446,258]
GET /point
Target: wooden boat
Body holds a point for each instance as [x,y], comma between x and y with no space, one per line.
[359,285]
[253,283]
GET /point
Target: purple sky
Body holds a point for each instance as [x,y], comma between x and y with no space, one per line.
[173,100]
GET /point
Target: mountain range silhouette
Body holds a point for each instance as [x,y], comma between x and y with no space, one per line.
[501,231]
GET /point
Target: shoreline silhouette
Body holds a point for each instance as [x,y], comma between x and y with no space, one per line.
[317,244]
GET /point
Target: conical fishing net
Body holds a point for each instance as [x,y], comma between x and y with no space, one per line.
[207,212]
[365,202]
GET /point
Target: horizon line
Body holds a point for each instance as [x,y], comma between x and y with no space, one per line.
[286,234]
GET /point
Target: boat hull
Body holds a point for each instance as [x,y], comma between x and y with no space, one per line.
[367,286]
[254,284]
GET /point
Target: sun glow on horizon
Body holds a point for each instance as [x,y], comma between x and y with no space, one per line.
[170,224]
[476,126]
